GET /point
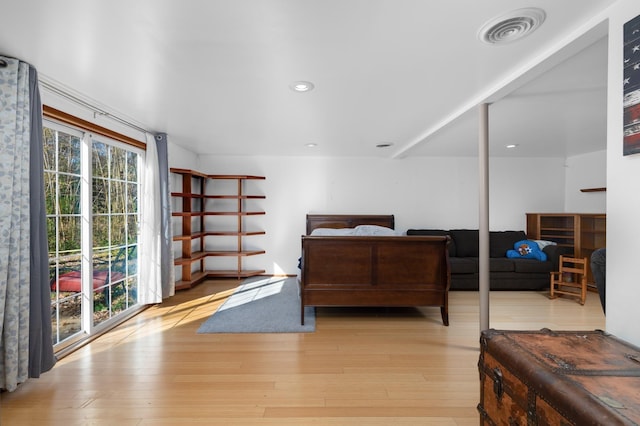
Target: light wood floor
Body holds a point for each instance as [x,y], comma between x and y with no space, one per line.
[360,367]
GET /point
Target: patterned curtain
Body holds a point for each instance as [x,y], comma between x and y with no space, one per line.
[15,223]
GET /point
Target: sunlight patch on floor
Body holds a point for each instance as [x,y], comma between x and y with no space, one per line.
[254,290]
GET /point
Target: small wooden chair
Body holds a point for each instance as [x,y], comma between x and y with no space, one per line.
[571,279]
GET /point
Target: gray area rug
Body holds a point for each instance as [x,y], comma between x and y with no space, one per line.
[262,305]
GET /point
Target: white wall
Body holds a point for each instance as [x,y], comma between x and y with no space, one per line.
[180,158]
[623,197]
[420,192]
[523,185]
[586,171]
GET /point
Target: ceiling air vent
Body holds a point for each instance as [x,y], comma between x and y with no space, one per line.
[511,26]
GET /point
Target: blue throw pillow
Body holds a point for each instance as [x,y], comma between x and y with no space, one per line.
[527,249]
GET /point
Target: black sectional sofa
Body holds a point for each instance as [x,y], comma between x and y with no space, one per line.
[504,273]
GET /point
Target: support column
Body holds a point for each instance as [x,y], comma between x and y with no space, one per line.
[483,191]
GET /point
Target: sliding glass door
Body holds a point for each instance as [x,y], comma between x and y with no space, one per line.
[92,187]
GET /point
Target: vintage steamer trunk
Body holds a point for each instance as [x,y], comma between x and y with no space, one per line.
[558,378]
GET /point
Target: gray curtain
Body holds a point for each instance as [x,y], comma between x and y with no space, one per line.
[41,356]
[166,253]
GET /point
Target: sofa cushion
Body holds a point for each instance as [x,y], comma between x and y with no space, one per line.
[553,253]
[467,242]
[501,241]
[501,264]
[436,233]
[532,266]
[463,265]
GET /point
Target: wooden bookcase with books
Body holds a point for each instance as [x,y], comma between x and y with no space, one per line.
[210,229]
[582,233]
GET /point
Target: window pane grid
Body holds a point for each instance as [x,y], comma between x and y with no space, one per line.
[62,190]
[111,228]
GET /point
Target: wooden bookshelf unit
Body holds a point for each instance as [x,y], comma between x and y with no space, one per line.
[210,228]
[582,233]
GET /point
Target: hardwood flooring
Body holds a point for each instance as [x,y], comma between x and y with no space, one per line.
[362,366]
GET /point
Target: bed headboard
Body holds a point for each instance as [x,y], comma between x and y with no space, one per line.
[347,221]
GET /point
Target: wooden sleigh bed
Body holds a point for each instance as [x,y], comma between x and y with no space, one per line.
[372,270]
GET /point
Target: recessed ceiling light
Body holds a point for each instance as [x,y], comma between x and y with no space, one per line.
[311,145]
[511,26]
[513,145]
[302,86]
[384,145]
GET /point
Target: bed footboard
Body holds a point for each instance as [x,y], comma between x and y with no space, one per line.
[375,271]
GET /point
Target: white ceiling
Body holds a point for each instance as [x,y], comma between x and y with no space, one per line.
[215,74]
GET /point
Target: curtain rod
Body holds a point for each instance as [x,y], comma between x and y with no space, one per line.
[96,110]
[65,118]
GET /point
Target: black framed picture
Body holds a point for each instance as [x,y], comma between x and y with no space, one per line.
[631,87]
